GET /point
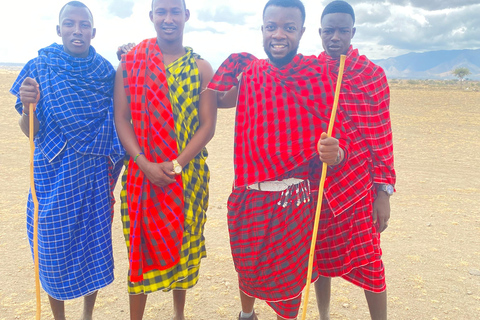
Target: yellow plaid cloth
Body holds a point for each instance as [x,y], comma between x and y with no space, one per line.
[184,88]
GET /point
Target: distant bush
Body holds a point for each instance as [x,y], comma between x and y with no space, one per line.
[429,84]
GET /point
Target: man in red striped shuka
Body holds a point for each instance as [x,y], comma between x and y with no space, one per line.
[283,109]
[165,118]
[348,243]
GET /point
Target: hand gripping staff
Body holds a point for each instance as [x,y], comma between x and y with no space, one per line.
[35,215]
[320,189]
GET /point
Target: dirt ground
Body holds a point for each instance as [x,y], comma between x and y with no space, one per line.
[431,249]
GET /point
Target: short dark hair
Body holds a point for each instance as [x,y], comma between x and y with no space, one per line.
[338,6]
[183,1]
[287,4]
[77,4]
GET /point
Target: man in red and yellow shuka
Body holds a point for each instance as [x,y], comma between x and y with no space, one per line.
[348,243]
[165,117]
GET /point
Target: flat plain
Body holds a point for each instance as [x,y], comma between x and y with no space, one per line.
[431,249]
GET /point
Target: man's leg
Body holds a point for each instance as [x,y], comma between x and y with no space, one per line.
[377,304]
[247,303]
[179,297]
[322,291]
[58,308]
[88,304]
[137,306]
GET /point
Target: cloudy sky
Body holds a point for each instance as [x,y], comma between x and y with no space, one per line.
[385,28]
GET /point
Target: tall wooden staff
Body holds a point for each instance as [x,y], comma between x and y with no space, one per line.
[35,215]
[320,189]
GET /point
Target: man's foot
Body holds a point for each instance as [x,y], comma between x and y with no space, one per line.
[252,317]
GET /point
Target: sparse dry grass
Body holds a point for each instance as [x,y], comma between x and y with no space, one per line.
[431,248]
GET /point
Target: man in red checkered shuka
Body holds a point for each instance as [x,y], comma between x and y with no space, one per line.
[348,243]
[283,106]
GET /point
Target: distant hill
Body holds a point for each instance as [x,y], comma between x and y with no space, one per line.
[11,66]
[436,65]
[432,64]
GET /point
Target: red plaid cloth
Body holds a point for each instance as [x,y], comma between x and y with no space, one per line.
[370,277]
[365,99]
[287,309]
[270,243]
[281,114]
[348,244]
[156,213]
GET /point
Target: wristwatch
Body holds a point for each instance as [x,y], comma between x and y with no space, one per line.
[388,188]
[177,168]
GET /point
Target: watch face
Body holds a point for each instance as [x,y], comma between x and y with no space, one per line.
[178,169]
[389,189]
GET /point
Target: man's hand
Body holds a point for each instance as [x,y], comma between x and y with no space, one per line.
[381,210]
[160,174]
[29,93]
[124,49]
[329,150]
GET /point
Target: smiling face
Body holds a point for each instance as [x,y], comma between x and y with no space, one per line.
[282,30]
[169,17]
[76,30]
[336,32]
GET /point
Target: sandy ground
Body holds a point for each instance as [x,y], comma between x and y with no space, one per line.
[431,249]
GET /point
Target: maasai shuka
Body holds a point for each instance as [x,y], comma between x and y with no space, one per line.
[86,86]
[184,84]
[281,114]
[365,99]
[348,245]
[156,213]
[74,170]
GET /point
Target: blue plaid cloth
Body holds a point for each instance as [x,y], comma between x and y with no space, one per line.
[77,161]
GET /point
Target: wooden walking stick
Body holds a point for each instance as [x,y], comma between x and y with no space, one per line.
[320,189]
[35,215]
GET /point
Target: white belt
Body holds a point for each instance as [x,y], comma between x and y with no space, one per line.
[275,185]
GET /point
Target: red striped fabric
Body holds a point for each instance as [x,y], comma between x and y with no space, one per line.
[348,245]
[156,213]
[348,242]
[287,309]
[270,244]
[365,100]
[370,277]
[281,114]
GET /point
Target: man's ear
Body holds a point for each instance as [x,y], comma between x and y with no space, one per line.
[320,32]
[94,32]
[150,14]
[302,32]
[58,31]
[187,15]
[353,32]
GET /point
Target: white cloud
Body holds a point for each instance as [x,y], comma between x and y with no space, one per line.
[218,28]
